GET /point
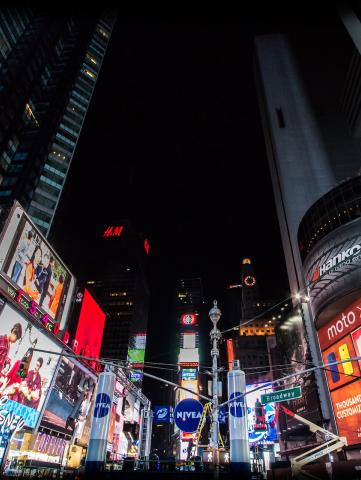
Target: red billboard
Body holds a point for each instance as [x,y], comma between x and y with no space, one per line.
[343,323]
[347,407]
[89,332]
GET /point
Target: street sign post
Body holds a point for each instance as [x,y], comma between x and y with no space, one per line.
[281,395]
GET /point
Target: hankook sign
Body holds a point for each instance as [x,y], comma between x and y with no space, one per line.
[332,268]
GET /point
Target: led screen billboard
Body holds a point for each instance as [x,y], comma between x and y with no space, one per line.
[136,349]
[262,421]
[89,332]
[116,423]
[32,265]
[346,403]
[70,398]
[190,385]
[343,373]
[189,374]
[26,395]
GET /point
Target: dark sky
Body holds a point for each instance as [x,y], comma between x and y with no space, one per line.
[173,141]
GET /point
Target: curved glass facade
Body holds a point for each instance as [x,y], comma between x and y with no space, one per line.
[338,207]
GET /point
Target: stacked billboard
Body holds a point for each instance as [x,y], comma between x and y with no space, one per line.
[53,393]
[188,361]
[340,339]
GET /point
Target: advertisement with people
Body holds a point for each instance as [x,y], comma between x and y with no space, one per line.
[32,265]
[26,394]
[70,398]
[262,421]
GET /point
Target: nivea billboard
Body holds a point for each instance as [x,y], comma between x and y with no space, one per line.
[187,414]
[96,453]
[162,414]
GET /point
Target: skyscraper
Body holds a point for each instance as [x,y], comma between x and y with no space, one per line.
[118,279]
[49,65]
[310,117]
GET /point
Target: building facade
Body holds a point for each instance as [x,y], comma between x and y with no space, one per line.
[49,65]
[118,280]
[313,148]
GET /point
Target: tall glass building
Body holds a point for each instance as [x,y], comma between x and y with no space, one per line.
[49,65]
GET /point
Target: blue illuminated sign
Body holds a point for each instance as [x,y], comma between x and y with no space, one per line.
[187,414]
[161,414]
[189,374]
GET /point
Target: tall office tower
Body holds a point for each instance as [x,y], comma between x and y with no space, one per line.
[117,278]
[187,313]
[253,344]
[309,112]
[49,65]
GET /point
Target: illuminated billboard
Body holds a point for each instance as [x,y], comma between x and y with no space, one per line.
[332,268]
[343,373]
[187,355]
[89,332]
[189,374]
[189,319]
[26,395]
[70,398]
[340,339]
[262,420]
[190,385]
[346,403]
[136,349]
[32,265]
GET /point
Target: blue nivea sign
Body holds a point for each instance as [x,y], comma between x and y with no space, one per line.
[102,405]
[161,414]
[236,407]
[187,414]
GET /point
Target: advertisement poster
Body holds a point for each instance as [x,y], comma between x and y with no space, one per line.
[26,395]
[34,267]
[116,423]
[136,350]
[356,339]
[346,403]
[342,373]
[90,327]
[262,422]
[70,398]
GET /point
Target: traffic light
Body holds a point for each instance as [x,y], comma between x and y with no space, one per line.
[24,364]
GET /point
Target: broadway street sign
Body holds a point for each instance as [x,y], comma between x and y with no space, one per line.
[281,395]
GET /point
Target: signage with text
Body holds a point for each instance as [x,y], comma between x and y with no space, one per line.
[281,395]
[187,414]
[332,268]
[346,403]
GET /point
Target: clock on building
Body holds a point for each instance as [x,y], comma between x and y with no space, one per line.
[249,280]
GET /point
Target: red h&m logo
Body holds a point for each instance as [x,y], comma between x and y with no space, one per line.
[146,246]
[113,231]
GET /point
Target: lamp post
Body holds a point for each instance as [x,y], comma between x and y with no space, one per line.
[215,315]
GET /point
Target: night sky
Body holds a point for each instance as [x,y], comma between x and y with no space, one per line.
[173,141]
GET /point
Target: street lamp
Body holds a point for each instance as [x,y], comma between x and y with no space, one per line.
[215,315]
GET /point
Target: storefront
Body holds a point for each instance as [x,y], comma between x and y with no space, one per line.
[36,451]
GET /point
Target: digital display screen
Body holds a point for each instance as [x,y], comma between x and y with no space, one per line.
[26,395]
[136,350]
[189,319]
[33,266]
[189,374]
[346,403]
[262,422]
[70,398]
[89,332]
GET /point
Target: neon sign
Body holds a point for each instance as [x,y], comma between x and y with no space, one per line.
[113,231]
[146,246]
